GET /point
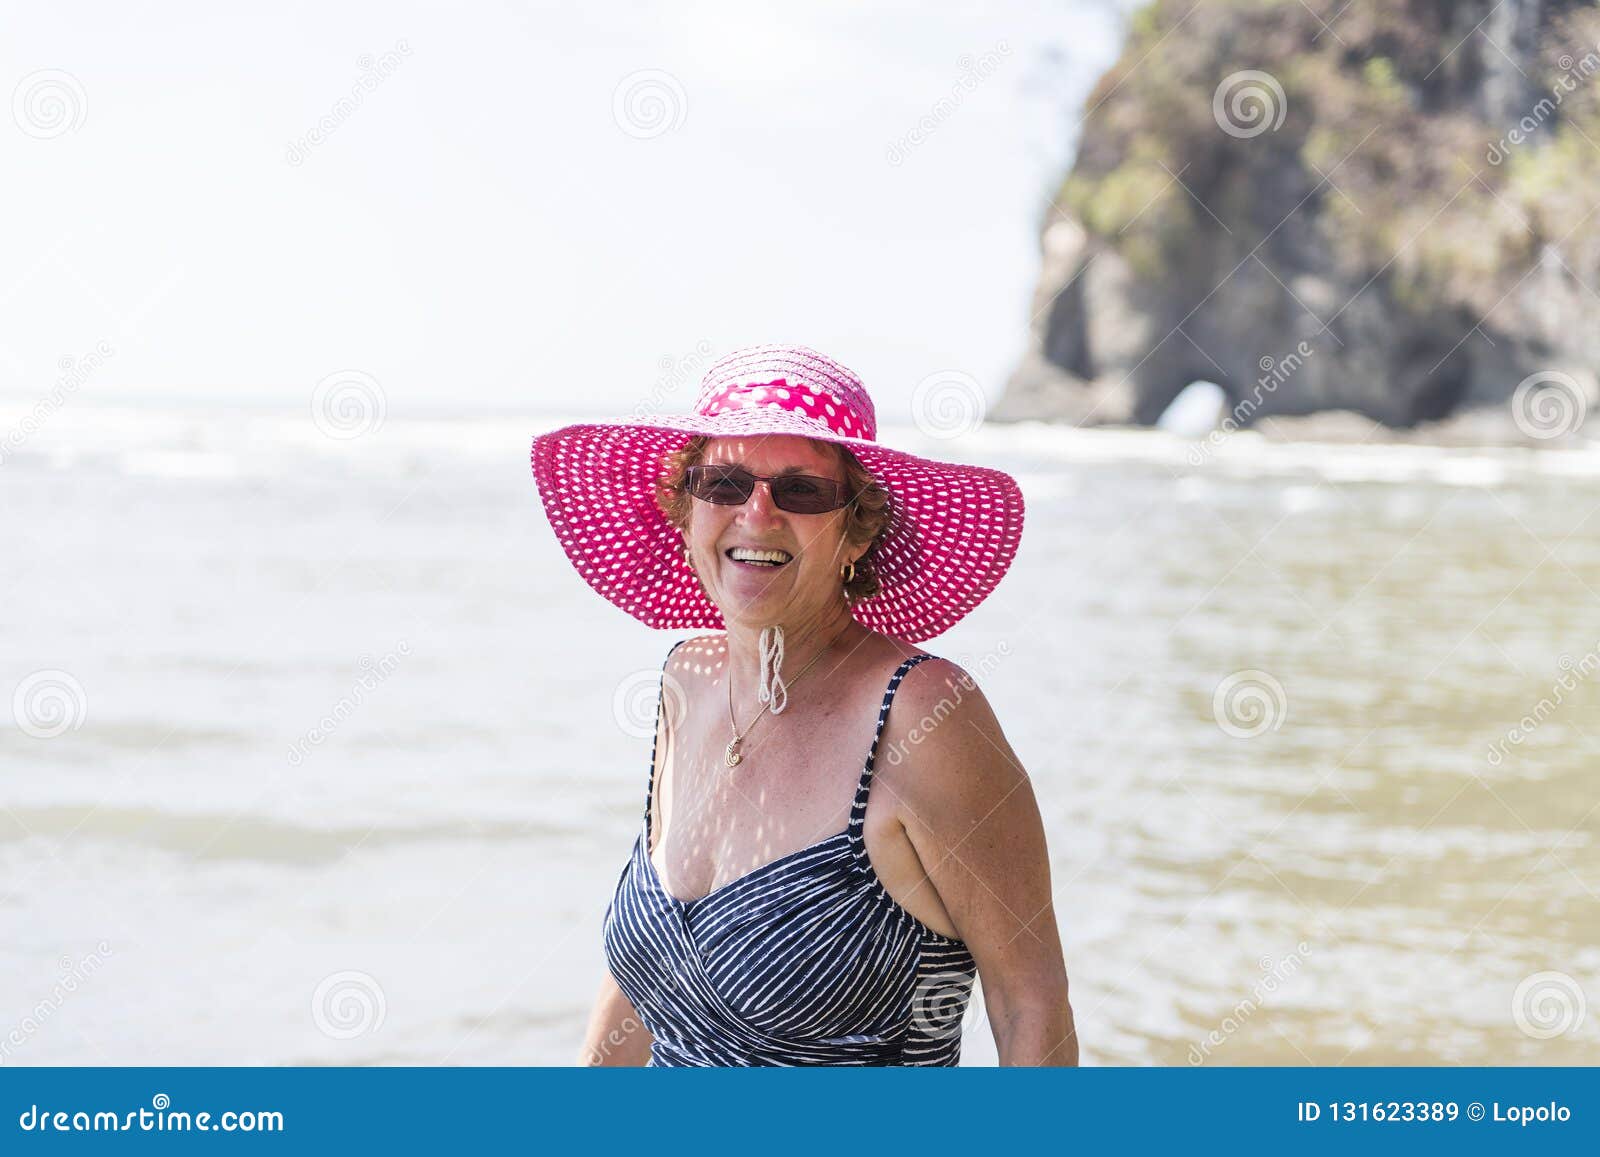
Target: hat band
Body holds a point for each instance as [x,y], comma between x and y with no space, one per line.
[795,397]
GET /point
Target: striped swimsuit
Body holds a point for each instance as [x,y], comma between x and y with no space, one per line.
[806,960]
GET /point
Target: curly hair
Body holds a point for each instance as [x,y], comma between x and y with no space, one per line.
[866,515]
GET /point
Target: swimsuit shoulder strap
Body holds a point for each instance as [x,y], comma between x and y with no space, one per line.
[661,695]
[858,812]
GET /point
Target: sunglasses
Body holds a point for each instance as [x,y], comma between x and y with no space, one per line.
[796,493]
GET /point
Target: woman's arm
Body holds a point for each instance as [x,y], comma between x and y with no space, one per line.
[969,809]
[616,1035]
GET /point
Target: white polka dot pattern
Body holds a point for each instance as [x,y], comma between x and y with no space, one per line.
[953,530]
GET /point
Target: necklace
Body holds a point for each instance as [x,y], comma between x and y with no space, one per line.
[732,756]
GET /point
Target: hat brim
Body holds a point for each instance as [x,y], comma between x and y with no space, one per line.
[952,534]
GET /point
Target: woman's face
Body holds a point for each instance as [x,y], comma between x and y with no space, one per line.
[805,584]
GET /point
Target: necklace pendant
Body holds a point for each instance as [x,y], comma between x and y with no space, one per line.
[731,756]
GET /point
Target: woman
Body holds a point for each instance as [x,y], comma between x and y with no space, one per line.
[817,878]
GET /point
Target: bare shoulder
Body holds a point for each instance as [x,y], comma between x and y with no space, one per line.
[942,709]
[697,656]
[943,749]
[970,813]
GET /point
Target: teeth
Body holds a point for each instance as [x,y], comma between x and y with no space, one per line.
[744,554]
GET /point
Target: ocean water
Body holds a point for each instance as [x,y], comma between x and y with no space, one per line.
[316,750]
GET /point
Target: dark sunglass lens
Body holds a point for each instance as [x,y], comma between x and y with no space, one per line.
[803,494]
[725,487]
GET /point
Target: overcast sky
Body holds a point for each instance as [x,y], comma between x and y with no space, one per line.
[530,206]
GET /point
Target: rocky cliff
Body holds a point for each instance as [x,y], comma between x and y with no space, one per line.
[1383,206]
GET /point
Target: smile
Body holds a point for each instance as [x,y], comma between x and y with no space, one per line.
[771,559]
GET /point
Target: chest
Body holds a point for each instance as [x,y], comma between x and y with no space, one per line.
[793,787]
[802,963]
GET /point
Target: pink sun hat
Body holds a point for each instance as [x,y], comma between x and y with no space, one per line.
[951,534]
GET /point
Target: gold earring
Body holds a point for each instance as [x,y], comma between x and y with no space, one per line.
[849,573]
